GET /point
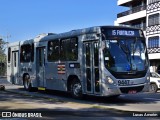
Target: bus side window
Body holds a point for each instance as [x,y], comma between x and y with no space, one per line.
[53,50]
[74,49]
[69,49]
[40,58]
[32,52]
[9,55]
[27,53]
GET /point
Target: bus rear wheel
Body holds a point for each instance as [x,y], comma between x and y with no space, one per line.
[27,83]
[76,89]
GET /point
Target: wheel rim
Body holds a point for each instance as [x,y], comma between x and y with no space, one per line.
[77,89]
[153,88]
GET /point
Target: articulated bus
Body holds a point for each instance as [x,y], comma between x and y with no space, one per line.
[99,61]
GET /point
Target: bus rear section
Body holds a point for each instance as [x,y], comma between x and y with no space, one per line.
[13,63]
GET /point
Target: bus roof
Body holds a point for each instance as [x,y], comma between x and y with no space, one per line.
[73,33]
[78,32]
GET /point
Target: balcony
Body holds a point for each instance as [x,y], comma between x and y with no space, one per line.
[123,2]
[139,26]
[133,10]
[154,29]
[153,53]
[153,7]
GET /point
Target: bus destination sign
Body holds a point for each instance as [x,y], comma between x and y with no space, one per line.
[123,32]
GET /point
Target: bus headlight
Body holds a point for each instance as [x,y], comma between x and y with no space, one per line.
[109,80]
[148,78]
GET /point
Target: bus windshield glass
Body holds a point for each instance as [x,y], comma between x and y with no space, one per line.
[124,50]
[125,55]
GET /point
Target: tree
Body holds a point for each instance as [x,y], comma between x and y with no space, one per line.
[2,44]
[2,57]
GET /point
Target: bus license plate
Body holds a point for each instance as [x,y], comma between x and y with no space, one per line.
[123,82]
[132,91]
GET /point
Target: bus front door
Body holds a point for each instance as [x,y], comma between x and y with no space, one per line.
[41,67]
[15,67]
[91,67]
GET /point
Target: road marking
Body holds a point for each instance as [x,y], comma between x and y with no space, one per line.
[152,99]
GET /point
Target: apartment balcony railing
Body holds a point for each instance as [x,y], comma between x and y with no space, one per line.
[154,29]
[140,26]
[153,50]
[133,10]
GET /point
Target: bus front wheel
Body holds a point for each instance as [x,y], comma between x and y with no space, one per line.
[153,88]
[76,89]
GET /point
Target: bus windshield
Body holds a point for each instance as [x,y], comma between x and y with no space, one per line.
[125,55]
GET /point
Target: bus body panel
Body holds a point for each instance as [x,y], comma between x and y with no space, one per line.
[88,68]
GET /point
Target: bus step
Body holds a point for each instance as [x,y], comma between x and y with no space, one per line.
[41,88]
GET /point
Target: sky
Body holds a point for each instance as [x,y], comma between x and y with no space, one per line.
[25,19]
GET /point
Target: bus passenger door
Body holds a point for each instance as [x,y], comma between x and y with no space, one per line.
[15,67]
[91,67]
[40,67]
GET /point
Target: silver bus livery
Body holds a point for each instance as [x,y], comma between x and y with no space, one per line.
[100,61]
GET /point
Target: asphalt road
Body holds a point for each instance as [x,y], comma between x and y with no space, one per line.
[60,105]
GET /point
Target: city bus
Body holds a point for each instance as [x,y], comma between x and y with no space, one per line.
[98,61]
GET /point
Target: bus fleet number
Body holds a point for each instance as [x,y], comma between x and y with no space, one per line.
[123,82]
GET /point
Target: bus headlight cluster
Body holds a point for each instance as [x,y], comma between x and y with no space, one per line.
[148,78]
[109,80]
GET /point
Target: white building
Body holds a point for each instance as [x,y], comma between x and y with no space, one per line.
[144,14]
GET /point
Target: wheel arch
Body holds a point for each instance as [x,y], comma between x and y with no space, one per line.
[70,79]
[153,83]
[24,74]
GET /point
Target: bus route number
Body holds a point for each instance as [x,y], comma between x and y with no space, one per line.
[123,82]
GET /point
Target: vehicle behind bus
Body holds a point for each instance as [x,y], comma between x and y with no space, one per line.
[99,61]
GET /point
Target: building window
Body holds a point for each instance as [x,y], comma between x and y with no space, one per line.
[53,50]
[154,19]
[69,49]
[153,1]
[27,53]
[9,55]
[153,42]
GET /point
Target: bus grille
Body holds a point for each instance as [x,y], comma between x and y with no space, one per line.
[129,76]
[127,89]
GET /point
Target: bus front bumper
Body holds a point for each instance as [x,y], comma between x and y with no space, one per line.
[118,90]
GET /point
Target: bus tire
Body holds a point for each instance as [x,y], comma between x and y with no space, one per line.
[153,88]
[76,89]
[27,83]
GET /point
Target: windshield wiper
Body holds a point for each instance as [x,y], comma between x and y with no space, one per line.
[127,51]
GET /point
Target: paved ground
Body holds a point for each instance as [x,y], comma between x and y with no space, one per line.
[16,98]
